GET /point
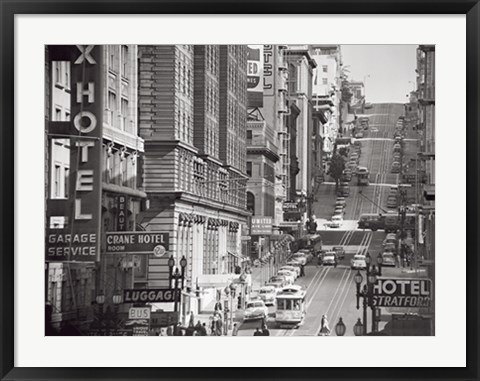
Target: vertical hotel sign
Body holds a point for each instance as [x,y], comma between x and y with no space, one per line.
[255,75]
[79,238]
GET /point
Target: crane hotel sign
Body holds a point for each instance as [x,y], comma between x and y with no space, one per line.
[136,243]
[402,292]
[78,238]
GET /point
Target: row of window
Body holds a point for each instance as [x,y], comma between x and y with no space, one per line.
[118,59]
[211,56]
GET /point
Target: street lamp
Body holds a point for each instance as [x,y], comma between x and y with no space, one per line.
[176,275]
[358,328]
[366,292]
[379,261]
[340,327]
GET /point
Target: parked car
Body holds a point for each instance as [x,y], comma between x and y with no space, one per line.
[390,246]
[267,294]
[392,202]
[340,251]
[395,167]
[289,275]
[293,269]
[256,310]
[276,285]
[329,259]
[358,262]
[336,222]
[359,134]
[390,238]
[280,279]
[388,259]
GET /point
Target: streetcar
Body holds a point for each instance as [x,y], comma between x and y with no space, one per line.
[291,308]
[363,176]
[372,221]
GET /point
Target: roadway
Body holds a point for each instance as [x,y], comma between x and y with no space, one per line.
[332,291]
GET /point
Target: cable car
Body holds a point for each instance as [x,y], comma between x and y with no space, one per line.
[291,309]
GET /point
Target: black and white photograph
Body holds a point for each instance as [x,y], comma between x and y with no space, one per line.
[239,190]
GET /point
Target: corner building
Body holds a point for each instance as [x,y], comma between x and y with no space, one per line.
[192,116]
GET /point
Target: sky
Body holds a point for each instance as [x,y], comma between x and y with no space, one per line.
[390,68]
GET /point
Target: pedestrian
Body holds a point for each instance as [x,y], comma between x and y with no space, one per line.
[258,332]
[335,263]
[218,327]
[324,328]
[203,330]
[160,333]
[235,329]
[212,325]
[198,328]
[169,331]
[265,331]
[302,270]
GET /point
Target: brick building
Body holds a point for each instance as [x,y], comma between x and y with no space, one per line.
[192,115]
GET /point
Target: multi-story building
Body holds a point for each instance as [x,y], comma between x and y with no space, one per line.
[358,98]
[192,115]
[425,102]
[300,78]
[326,98]
[121,150]
[426,130]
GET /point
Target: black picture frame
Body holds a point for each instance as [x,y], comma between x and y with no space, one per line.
[10,8]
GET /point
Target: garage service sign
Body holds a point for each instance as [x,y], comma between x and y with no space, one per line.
[136,242]
[402,292]
[79,241]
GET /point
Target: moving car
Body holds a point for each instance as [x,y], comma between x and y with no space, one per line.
[255,310]
[336,221]
[388,259]
[339,251]
[329,259]
[267,294]
[358,262]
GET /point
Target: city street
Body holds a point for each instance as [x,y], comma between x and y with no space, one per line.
[332,291]
[376,155]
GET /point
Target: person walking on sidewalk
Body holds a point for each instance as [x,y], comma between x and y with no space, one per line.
[302,270]
[235,329]
[324,328]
